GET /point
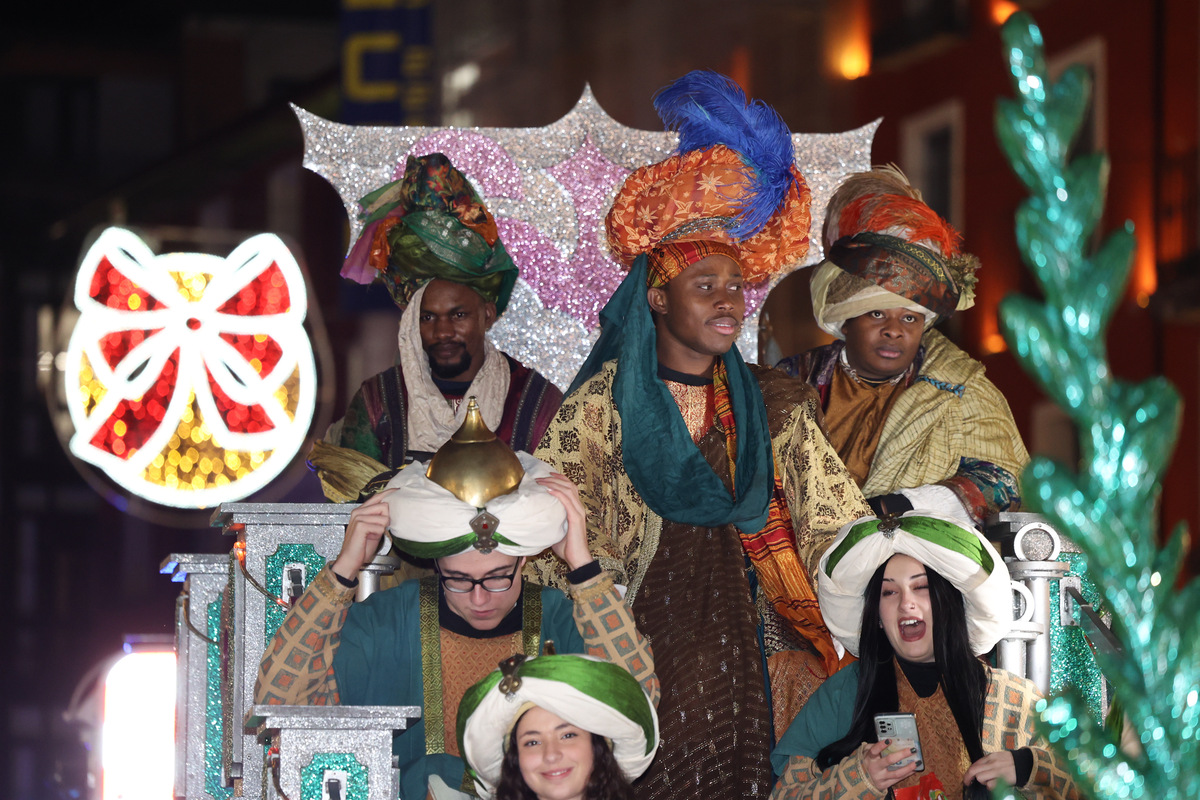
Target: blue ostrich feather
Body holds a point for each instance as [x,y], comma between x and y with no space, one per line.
[708,109]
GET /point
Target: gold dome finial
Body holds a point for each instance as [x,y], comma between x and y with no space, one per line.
[475,466]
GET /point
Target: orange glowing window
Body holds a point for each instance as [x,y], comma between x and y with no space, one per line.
[849,39]
[1001,10]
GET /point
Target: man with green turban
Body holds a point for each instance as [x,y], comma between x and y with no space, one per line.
[431,241]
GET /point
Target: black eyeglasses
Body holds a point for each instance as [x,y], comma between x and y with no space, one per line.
[492,583]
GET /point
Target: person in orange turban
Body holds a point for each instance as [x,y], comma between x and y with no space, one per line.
[708,482]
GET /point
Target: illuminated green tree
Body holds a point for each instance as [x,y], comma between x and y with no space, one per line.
[1108,506]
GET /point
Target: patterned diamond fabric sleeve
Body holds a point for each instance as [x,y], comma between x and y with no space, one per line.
[822,496]
[297,668]
[846,780]
[1013,725]
[580,445]
[609,632]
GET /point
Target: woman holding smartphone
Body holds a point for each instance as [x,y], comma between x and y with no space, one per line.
[917,598]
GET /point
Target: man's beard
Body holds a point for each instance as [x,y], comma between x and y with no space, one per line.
[451,369]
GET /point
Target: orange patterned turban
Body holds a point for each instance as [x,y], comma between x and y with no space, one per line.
[743,190]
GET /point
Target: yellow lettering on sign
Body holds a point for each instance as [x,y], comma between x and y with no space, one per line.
[417,96]
[416,61]
[356,87]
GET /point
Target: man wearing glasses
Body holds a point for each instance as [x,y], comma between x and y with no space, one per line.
[427,641]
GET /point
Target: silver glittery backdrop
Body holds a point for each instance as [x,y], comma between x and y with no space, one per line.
[549,189]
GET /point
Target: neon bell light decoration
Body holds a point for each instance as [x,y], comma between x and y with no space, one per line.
[189,377]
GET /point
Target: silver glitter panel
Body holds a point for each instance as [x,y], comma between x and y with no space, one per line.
[299,514]
[264,529]
[204,577]
[353,738]
[180,566]
[552,342]
[549,189]
[332,718]
[1065,649]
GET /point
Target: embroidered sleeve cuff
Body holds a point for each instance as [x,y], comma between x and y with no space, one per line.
[856,775]
[333,587]
[583,591]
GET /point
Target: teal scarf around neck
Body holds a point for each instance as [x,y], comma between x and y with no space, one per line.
[667,468]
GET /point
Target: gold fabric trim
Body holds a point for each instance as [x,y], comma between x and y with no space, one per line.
[590,589]
[855,417]
[652,526]
[467,786]
[431,667]
[531,637]
[696,406]
[942,744]
[331,589]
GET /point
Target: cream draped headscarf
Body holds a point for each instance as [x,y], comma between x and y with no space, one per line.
[838,296]
[431,419]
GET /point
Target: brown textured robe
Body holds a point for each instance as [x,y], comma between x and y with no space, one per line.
[695,606]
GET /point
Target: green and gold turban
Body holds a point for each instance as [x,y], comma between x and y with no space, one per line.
[430,224]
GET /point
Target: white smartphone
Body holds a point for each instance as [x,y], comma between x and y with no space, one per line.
[901,728]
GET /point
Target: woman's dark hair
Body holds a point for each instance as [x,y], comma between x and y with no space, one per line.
[963,677]
[606,782]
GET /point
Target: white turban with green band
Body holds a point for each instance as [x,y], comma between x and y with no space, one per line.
[594,695]
[428,521]
[957,552]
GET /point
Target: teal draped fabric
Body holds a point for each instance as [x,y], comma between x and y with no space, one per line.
[667,468]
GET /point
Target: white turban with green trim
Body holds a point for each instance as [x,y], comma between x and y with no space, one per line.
[957,552]
[594,695]
[428,521]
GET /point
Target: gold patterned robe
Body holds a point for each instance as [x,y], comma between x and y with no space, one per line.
[689,587]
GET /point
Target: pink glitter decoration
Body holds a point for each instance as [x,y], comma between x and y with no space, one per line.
[756,295]
[578,283]
[592,276]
